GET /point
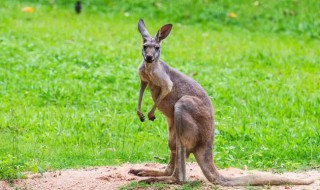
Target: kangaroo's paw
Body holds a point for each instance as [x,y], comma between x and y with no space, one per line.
[151,116]
[141,116]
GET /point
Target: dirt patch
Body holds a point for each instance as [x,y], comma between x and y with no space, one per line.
[102,178]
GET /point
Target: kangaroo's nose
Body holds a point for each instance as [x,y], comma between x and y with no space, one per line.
[148,58]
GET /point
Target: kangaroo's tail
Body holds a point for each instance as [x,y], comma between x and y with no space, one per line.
[204,159]
[262,179]
[214,176]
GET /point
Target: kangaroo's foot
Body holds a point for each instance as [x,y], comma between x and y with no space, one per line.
[168,180]
[148,173]
[157,173]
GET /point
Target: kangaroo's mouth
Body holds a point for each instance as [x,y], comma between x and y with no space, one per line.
[148,60]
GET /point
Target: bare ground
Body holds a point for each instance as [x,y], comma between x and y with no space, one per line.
[114,177]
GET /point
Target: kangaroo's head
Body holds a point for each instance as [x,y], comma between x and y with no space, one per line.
[151,45]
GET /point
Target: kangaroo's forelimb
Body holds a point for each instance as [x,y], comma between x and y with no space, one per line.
[164,82]
[143,85]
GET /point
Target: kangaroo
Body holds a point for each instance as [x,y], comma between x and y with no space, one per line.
[190,119]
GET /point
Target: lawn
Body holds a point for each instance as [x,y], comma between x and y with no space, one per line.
[69,83]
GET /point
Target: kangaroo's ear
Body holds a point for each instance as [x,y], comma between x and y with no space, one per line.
[163,32]
[143,31]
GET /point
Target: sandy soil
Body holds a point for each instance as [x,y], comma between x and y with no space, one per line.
[103,178]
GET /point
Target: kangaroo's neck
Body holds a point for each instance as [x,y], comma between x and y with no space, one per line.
[153,66]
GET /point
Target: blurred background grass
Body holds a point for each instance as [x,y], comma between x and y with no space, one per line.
[284,16]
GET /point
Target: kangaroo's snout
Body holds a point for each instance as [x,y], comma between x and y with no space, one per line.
[149,58]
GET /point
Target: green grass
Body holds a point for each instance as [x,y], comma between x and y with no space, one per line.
[193,185]
[69,83]
[138,185]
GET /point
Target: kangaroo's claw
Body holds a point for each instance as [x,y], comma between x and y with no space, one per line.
[141,116]
[151,116]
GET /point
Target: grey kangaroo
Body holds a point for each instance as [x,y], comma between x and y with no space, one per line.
[190,120]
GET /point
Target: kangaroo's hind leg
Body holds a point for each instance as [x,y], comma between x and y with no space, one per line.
[171,165]
[187,133]
[204,159]
[179,173]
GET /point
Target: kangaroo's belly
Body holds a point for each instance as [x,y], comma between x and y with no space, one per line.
[167,104]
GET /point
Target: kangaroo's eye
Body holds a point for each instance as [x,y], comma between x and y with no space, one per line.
[144,47]
[157,48]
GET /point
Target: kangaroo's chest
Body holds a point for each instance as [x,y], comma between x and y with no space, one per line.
[154,89]
[148,76]
[152,78]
